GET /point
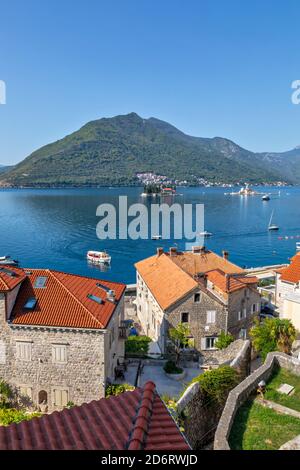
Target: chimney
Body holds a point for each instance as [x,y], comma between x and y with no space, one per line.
[198,249]
[173,251]
[225,254]
[111,295]
[159,251]
[227,281]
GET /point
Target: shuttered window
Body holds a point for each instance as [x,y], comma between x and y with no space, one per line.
[61,397]
[211,316]
[59,353]
[23,350]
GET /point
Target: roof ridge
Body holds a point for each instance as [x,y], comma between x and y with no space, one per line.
[74,297]
[143,417]
[86,277]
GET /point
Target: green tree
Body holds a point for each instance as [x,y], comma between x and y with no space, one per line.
[273,334]
[180,338]
[224,340]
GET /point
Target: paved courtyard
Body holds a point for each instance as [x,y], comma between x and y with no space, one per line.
[164,385]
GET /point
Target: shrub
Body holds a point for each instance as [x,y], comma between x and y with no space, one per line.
[11,415]
[273,334]
[137,345]
[5,393]
[171,368]
[224,340]
[117,389]
[217,383]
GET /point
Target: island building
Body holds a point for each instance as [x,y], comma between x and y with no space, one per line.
[60,335]
[287,291]
[199,288]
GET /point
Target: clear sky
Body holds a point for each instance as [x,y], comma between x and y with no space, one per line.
[211,68]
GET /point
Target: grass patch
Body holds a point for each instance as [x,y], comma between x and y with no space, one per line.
[259,428]
[281,376]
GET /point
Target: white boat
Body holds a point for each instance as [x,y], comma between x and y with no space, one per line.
[8,261]
[297,246]
[205,234]
[98,257]
[156,237]
[272,226]
[266,197]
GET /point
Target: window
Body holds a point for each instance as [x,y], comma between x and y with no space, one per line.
[242,314]
[209,342]
[253,308]
[197,297]
[60,397]
[30,304]
[23,350]
[96,299]
[243,333]
[25,391]
[59,353]
[40,282]
[211,316]
[184,317]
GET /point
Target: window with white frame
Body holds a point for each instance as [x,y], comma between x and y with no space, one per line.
[60,397]
[23,350]
[59,353]
[210,342]
[211,316]
[25,391]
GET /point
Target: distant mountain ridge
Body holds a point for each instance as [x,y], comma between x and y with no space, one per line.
[110,151]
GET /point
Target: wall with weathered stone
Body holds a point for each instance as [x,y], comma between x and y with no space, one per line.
[91,357]
[242,392]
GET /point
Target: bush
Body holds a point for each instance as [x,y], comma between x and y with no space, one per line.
[117,389]
[171,368]
[11,415]
[217,383]
[224,340]
[137,345]
[273,334]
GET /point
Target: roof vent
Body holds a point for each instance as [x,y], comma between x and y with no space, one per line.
[159,251]
[198,249]
[173,251]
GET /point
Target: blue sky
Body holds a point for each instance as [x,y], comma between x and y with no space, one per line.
[209,67]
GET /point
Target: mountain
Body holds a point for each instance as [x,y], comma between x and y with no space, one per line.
[286,163]
[110,151]
[5,168]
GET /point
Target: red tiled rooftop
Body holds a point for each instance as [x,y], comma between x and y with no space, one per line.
[135,420]
[292,272]
[63,302]
[7,281]
[231,283]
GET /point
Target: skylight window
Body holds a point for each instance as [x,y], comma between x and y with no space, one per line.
[30,304]
[102,286]
[95,298]
[8,272]
[40,282]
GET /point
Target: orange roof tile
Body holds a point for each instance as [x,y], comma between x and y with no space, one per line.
[10,281]
[292,272]
[218,278]
[166,281]
[195,263]
[63,302]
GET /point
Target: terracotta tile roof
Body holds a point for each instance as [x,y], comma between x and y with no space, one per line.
[195,263]
[135,420]
[230,284]
[292,272]
[63,302]
[170,278]
[9,282]
[167,282]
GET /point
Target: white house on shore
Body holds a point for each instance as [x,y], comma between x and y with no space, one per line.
[287,291]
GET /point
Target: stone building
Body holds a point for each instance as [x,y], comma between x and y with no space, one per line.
[199,288]
[60,334]
[287,291]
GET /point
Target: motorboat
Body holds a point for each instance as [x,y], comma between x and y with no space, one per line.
[156,237]
[205,234]
[297,246]
[265,197]
[7,260]
[272,226]
[98,257]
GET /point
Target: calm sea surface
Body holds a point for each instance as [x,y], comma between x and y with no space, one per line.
[55,228]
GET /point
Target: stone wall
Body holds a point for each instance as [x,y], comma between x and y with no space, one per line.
[201,420]
[91,357]
[242,392]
